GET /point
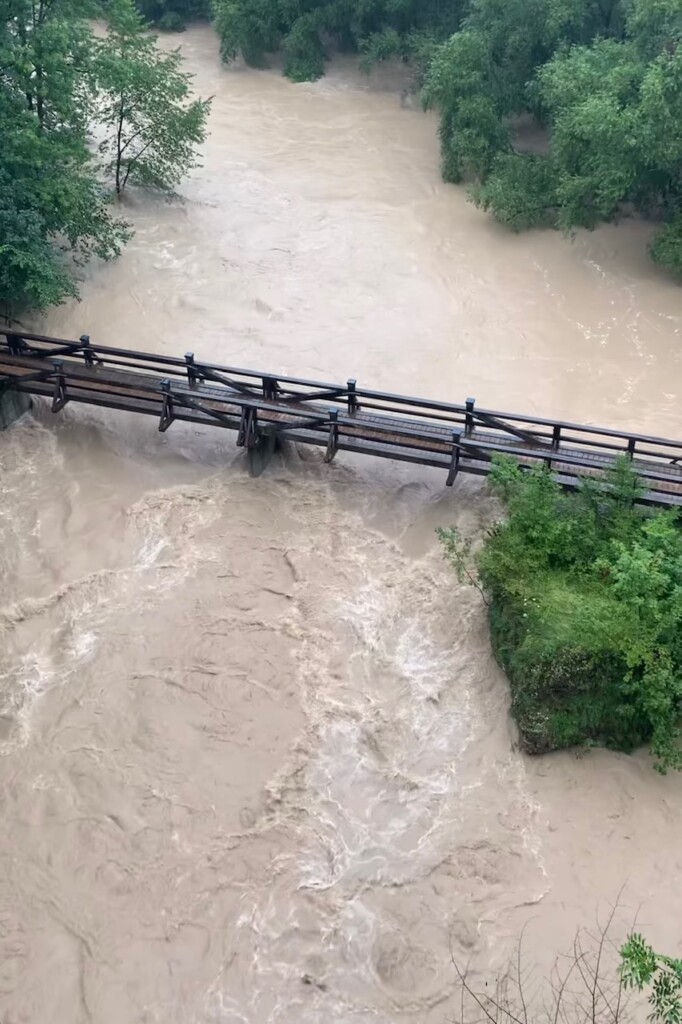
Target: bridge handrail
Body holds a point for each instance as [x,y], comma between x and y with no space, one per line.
[338,394]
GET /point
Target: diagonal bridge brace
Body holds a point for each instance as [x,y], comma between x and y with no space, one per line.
[173,398]
[200,370]
[485,419]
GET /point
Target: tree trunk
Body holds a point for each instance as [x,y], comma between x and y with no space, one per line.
[119,149]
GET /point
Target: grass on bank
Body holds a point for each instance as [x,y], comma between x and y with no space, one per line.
[584,594]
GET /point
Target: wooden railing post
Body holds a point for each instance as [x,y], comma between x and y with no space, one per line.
[167,416]
[191,368]
[16,344]
[87,351]
[352,397]
[469,418]
[270,388]
[454,459]
[333,441]
[59,398]
[631,447]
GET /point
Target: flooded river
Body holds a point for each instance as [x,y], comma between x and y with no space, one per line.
[255,760]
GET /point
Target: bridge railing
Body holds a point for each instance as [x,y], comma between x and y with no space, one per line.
[546,439]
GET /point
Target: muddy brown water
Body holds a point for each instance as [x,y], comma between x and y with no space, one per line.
[255,760]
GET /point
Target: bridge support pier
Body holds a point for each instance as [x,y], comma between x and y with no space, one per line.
[13,405]
[261,453]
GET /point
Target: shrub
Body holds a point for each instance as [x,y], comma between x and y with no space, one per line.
[585,606]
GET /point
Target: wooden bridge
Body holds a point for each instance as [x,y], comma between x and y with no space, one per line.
[263,408]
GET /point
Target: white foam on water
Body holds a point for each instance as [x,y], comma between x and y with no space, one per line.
[374,801]
[391,762]
[150,551]
[158,550]
[83,645]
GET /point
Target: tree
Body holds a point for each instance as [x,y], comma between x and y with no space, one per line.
[602,77]
[152,129]
[464,82]
[641,967]
[378,28]
[590,984]
[49,222]
[520,191]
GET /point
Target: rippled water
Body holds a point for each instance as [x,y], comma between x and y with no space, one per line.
[255,761]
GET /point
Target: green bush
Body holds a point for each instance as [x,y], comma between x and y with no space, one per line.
[585,605]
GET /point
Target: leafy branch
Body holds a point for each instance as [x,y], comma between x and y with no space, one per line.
[643,968]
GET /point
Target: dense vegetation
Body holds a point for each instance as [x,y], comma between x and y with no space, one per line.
[600,79]
[585,605]
[304,28]
[60,86]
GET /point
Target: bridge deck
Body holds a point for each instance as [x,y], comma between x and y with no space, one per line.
[454,438]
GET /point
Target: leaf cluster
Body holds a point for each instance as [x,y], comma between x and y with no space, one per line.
[642,968]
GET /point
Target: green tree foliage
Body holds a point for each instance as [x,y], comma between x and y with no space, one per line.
[45,49]
[642,968]
[55,80]
[304,28]
[605,82]
[54,212]
[152,129]
[585,603]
